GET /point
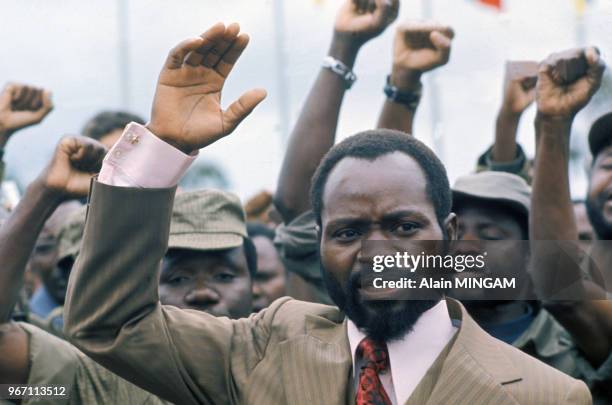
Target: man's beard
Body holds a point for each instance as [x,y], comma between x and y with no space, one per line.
[382,321]
[594,207]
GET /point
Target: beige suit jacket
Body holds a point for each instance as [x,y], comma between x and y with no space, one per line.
[292,353]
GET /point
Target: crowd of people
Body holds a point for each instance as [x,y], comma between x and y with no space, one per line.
[125,290]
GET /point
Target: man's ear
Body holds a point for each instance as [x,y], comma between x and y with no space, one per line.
[318,229]
[450,226]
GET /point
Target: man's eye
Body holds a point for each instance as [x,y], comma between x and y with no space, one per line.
[490,236]
[346,235]
[225,277]
[607,165]
[406,227]
[178,280]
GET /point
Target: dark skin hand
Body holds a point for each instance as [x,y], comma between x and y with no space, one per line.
[418,47]
[552,215]
[21,106]
[67,176]
[186,111]
[519,92]
[357,22]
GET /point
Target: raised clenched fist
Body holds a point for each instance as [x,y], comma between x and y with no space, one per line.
[520,81]
[22,106]
[567,81]
[75,161]
[361,20]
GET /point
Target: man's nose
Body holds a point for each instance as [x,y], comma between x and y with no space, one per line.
[468,235]
[202,295]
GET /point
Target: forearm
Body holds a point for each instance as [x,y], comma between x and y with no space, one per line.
[504,147]
[313,135]
[552,219]
[119,260]
[552,215]
[18,236]
[396,115]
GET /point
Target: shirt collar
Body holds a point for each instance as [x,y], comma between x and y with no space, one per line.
[411,356]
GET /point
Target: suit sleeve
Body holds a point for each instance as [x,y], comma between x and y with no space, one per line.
[113,313]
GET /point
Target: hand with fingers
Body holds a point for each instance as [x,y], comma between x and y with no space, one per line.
[520,80]
[567,81]
[418,48]
[22,106]
[75,160]
[358,21]
[186,110]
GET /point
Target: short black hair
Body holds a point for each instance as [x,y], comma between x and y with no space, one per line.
[255,229]
[108,121]
[370,145]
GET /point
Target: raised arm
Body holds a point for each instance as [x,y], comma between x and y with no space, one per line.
[112,310]
[356,23]
[566,83]
[21,106]
[519,92]
[67,176]
[418,47]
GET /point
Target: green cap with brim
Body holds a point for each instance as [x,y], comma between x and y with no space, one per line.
[492,186]
[207,220]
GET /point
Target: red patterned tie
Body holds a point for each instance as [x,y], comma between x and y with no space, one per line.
[376,359]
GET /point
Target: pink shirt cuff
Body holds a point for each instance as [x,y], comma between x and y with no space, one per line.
[141,159]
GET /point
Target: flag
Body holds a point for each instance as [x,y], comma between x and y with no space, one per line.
[497,4]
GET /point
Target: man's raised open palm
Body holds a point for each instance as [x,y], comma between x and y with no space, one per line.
[187,110]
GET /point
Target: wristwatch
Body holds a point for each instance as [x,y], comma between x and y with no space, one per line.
[408,98]
[333,64]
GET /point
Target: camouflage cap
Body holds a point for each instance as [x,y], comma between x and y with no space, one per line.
[207,220]
[71,234]
[494,186]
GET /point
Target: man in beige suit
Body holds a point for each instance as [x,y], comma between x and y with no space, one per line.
[378,185]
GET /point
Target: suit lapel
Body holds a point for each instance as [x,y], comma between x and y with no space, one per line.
[476,369]
[317,365]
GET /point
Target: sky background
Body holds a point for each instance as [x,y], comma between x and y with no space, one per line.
[73,48]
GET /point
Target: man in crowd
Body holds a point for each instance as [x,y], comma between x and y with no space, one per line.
[588,321]
[48,298]
[418,48]
[270,281]
[494,206]
[211,262]
[292,352]
[208,268]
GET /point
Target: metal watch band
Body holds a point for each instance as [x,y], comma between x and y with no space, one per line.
[410,99]
[339,68]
